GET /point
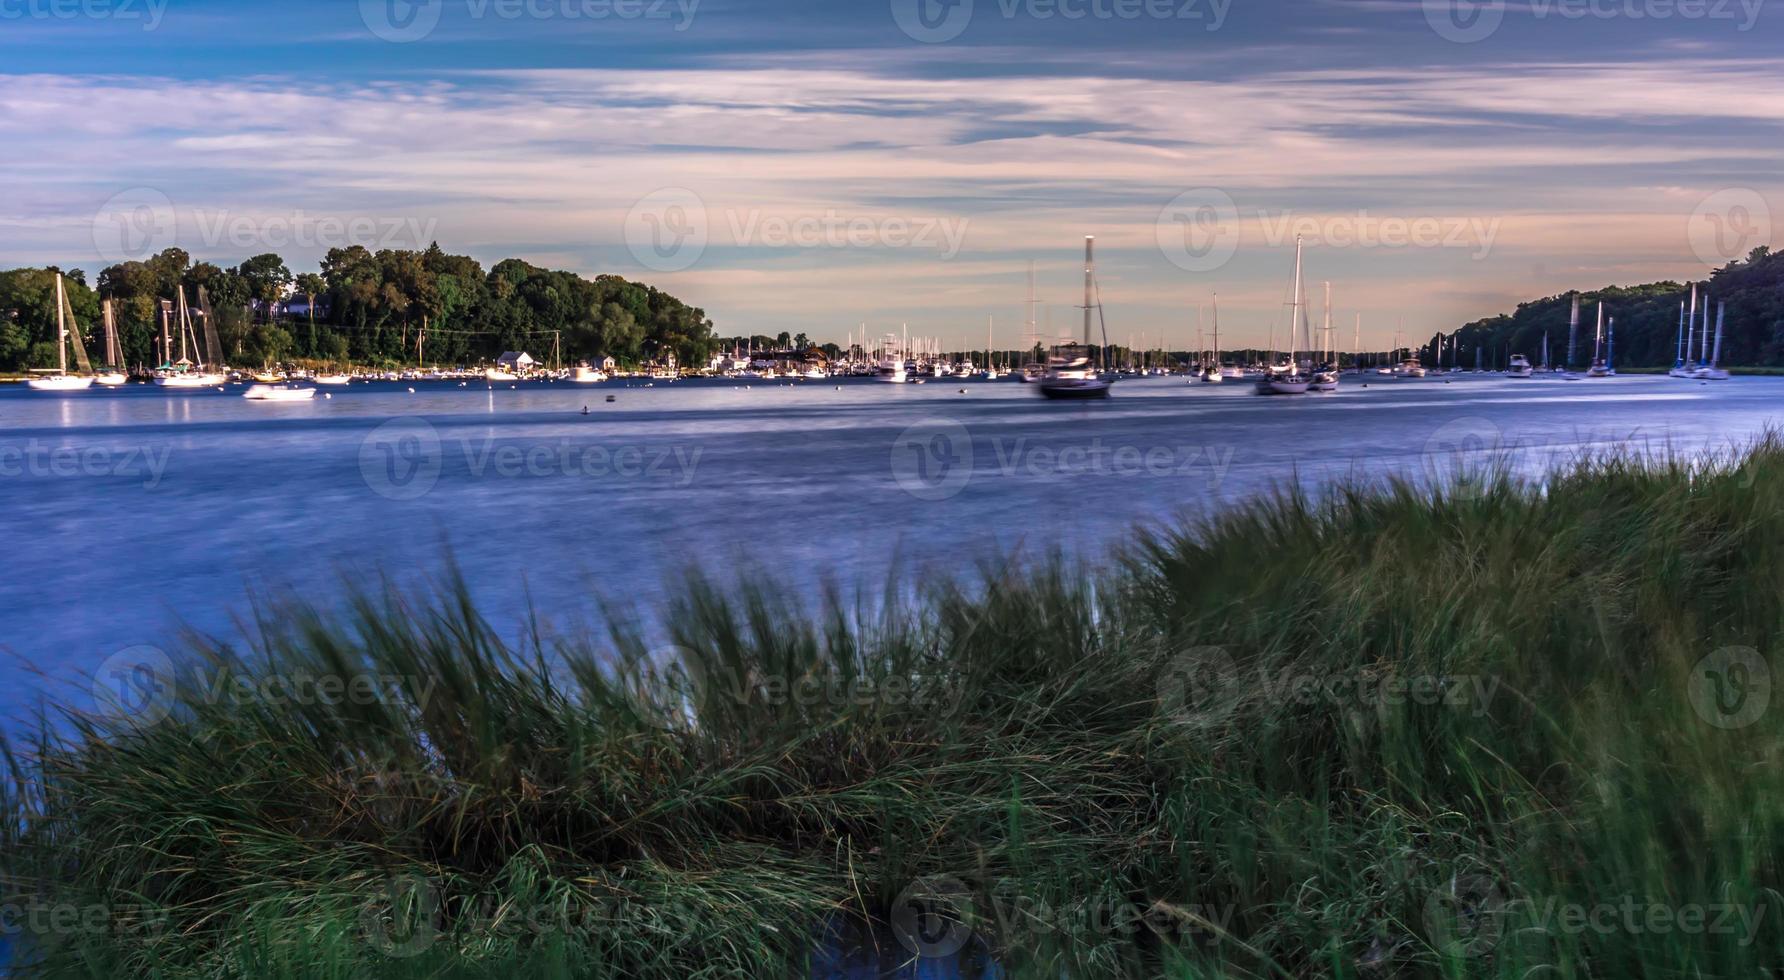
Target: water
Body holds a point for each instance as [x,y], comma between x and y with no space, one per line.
[129,512]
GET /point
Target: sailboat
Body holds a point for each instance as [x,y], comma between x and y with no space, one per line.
[1288,379]
[62,380]
[1325,377]
[1683,346]
[183,373]
[1211,370]
[990,372]
[114,351]
[1070,373]
[1599,368]
[1709,371]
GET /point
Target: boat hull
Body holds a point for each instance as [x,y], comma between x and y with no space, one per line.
[190,381]
[59,384]
[1075,390]
[270,393]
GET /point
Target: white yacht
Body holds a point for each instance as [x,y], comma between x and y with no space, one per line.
[1519,367]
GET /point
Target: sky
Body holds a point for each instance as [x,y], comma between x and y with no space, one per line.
[832,167]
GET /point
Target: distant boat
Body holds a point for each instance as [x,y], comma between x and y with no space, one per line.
[1070,373]
[1600,368]
[278,393]
[62,380]
[586,375]
[496,374]
[1519,367]
[1710,372]
[1325,377]
[1287,379]
[1212,373]
[333,379]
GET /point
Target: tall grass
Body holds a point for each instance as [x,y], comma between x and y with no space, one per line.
[1387,733]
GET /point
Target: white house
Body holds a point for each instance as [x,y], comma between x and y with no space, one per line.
[519,362]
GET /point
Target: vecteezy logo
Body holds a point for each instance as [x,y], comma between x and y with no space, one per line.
[1459,457]
[933,459]
[1465,917]
[134,225]
[401,21]
[666,229]
[933,917]
[1732,687]
[400,460]
[1199,230]
[932,21]
[1728,224]
[1199,686]
[405,919]
[135,686]
[1464,21]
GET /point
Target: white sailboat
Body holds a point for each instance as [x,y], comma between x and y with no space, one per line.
[1211,369]
[1710,371]
[1325,377]
[1287,379]
[1070,373]
[1599,368]
[114,351]
[62,380]
[184,373]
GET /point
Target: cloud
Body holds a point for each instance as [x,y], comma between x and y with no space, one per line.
[548,163]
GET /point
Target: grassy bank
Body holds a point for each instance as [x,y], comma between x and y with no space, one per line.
[1380,736]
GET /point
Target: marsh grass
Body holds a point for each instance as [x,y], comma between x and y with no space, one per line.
[1182,766]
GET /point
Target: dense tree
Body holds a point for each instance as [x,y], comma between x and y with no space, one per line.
[1647,320]
[380,308]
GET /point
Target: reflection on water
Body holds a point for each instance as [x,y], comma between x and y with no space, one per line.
[129,511]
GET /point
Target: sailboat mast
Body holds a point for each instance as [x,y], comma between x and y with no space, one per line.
[1216,331]
[1598,336]
[1089,280]
[1573,333]
[1691,325]
[1679,357]
[1716,354]
[61,330]
[1295,315]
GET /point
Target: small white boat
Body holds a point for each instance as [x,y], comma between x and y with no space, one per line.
[494,375]
[1519,367]
[111,379]
[59,382]
[278,393]
[332,379]
[582,374]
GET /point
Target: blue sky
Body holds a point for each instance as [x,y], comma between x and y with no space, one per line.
[818,166]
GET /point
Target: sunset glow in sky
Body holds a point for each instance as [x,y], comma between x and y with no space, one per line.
[810,167]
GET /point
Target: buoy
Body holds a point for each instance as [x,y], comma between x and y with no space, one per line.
[326,396]
[411,391]
[963,391]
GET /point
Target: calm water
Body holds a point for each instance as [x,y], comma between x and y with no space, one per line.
[128,512]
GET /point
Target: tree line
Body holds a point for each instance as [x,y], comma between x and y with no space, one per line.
[384,308]
[1647,320]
